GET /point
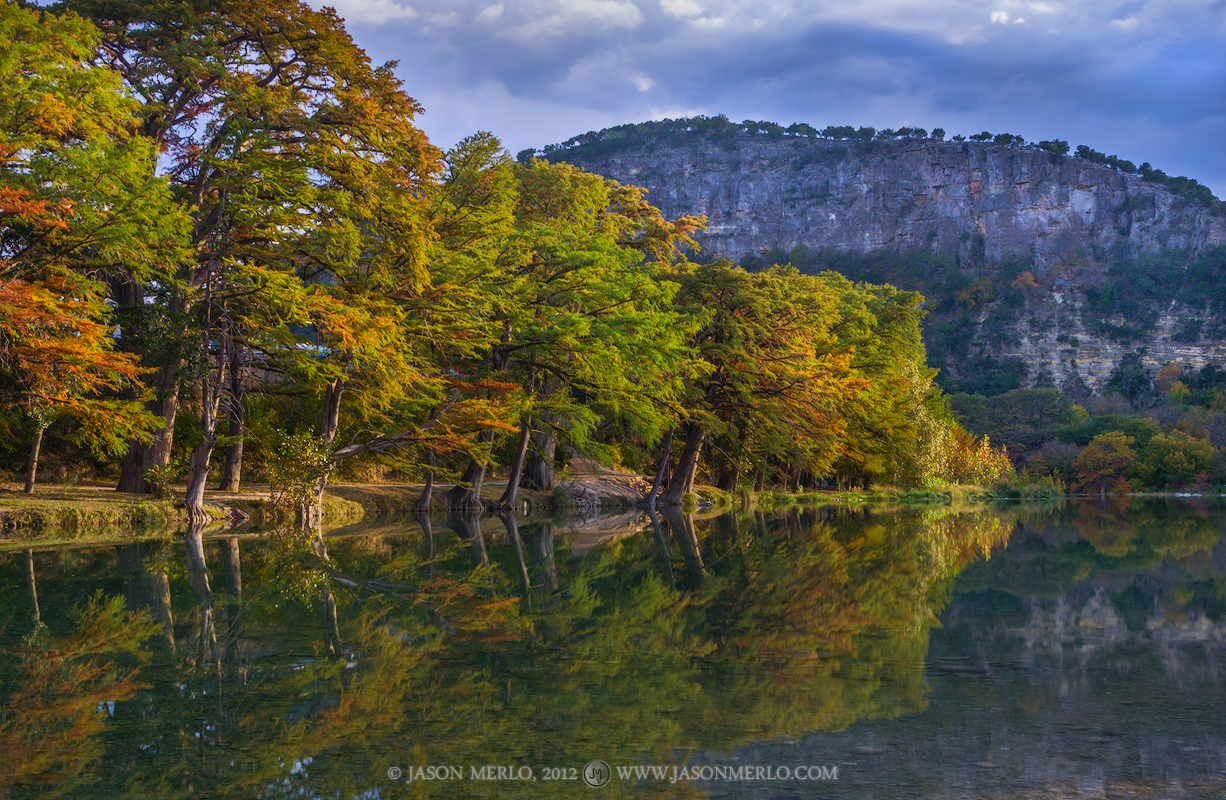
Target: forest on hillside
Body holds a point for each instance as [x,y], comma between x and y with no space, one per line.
[228,251]
[1147,428]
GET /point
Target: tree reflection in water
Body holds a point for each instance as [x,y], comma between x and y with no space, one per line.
[473,648]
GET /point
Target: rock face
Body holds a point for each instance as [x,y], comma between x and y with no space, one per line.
[903,195]
[1056,341]
[972,199]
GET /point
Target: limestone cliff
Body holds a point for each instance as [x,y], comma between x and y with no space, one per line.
[1060,215]
[902,195]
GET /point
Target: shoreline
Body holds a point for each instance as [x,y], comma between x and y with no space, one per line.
[96,514]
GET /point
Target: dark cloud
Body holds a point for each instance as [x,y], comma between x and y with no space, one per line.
[1146,81]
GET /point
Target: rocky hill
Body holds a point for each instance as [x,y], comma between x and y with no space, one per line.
[1116,255]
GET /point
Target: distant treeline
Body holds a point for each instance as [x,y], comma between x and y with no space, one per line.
[722,131]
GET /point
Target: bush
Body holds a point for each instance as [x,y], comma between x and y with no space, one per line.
[1174,459]
[1102,464]
[161,479]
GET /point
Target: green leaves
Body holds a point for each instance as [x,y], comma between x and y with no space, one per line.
[774,374]
[78,198]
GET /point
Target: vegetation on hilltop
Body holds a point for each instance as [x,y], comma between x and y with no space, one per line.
[720,131]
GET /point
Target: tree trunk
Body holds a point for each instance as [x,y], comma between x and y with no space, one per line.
[539,469]
[543,559]
[467,526]
[32,464]
[728,474]
[198,577]
[330,413]
[310,518]
[427,531]
[197,475]
[141,456]
[688,486]
[234,597]
[331,627]
[509,495]
[665,457]
[158,583]
[34,612]
[202,453]
[310,515]
[466,494]
[668,557]
[135,338]
[231,472]
[234,572]
[164,437]
[683,476]
[682,527]
[146,585]
[422,506]
[517,546]
[210,403]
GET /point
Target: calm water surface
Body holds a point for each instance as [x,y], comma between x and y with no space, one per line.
[1021,651]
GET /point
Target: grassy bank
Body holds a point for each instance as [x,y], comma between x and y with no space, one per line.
[76,513]
[718,500]
[97,513]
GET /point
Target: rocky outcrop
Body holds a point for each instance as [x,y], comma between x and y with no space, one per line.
[762,192]
[976,200]
[1056,343]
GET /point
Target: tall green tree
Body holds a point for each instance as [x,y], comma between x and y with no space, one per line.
[580,327]
[889,419]
[591,334]
[301,165]
[78,200]
[1103,463]
[774,375]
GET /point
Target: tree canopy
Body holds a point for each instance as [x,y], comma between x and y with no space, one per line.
[224,211]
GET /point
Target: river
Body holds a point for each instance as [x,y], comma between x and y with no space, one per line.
[1066,649]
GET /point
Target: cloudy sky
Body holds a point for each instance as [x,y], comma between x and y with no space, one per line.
[1141,79]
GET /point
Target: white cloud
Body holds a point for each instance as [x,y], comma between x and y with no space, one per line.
[1000,17]
[1125,24]
[577,18]
[375,12]
[641,81]
[1044,8]
[681,8]
[490,13]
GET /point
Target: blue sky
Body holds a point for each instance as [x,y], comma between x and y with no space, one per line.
[1143,79]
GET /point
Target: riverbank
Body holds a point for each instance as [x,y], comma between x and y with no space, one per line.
[95,512]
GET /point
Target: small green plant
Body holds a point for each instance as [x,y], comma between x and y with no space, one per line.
[297,462]
[161,479]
